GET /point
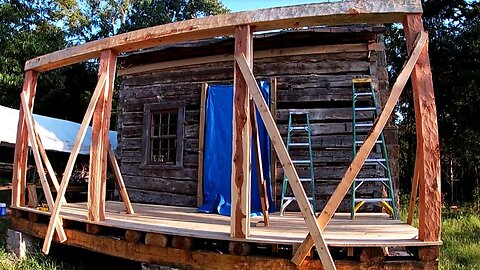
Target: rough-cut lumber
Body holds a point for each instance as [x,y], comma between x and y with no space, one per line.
[284,157]
[241,149]
[71,162]
[337,48]
[273,155]
[261,183]
[122,190]
[430,197]
[201,143]
[413,194]
[99,143]
[38,161]
[334,13]
[364,151]
[19,177]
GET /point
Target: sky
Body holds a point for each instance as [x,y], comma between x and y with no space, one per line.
[241,5]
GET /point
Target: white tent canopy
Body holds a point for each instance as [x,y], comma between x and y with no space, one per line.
[56,134]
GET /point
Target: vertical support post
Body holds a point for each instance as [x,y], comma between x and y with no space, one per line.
[241,163]
[430,208]
[100,143]
[201,143]
[19,178]
[273,154]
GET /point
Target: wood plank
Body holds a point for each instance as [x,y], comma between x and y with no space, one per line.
[32,196]
[273,154]
[122,190]
[99,144]
[261,183]
[241,149]
[54,219]
[364,150]
[286,162]
[19,175]
[201,143]
[430,197]
[413,193]
[38,161]
[282,52]
[335,13]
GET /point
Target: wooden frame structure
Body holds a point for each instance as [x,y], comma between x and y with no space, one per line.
[242,25]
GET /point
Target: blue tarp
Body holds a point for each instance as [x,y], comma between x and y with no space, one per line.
[217,166]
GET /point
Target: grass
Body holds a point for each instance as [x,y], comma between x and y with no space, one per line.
[460,236]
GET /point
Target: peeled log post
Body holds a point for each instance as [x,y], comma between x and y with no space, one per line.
[430,200]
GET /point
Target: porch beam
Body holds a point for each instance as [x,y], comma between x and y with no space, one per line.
[364,151]
[284,157]
[241,149]
[428,146]
[19,177]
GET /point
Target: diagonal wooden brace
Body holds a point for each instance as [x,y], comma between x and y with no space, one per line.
[364,151]
[119,180]
[71,161]
[286,162]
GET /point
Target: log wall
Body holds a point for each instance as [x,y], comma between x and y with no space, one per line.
[320,84]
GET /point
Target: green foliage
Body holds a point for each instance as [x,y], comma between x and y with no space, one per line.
[454,48]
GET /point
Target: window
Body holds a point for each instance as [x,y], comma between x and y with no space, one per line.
[163,134]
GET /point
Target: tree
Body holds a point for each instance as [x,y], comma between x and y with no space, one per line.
[454,48]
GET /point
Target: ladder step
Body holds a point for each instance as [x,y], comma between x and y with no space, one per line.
[375,160]
[370,200]
[305,179]
[364,94]
[304,128]
[381,179]
[366,109]
[299,113]
[361,142]
[364,125]
[299,144]
[306,161]
[293,198]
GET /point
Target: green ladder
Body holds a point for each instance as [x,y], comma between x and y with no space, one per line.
[298,129]
[362,91]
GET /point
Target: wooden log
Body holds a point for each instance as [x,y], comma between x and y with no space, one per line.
[93,229]
[429,253]
[344,12]
[430,197]
[372,255]
[239,248]
[364,151]
[119,180]
[156,239]
[261,183]
[32,195]
[201,143]
[99,143]
[38,161]
[19,176]
[33,217]
[286,162]
[133,236]
[70,163]
[182,242]
[240,181]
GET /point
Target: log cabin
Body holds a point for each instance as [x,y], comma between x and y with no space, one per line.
[166,227]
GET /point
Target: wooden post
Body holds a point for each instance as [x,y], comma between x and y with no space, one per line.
[100,144]
[364,151]
[201,143]
[55,217]
[430,200]
[273,154]
[261,183]
[240,185]
[287,164]
[19,178]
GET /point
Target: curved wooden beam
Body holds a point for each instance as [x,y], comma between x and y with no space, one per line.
[330,13]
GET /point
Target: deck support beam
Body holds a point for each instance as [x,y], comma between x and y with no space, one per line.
[364,151]
[428,146]
[19,178]
[100,143]
[241,150]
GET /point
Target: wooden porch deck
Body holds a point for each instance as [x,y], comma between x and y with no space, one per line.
[367,230]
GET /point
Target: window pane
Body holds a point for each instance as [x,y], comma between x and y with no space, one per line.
[154,150]
[163,137]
